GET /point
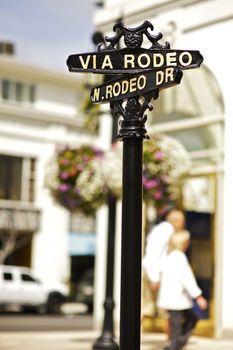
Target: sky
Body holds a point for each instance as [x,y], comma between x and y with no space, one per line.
[46,32]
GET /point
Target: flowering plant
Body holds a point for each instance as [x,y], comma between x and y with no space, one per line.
[79,178]
[166,162]
[74,178]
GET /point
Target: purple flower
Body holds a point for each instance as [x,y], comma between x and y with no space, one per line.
[63,187]
[71,204]
[64,175]
[98,154]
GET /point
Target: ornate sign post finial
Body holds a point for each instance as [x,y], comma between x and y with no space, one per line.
[140,74]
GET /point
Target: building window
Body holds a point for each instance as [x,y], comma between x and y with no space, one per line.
[17,91]
[7,48]
[10,177]
[17,178]
[7,276]
[5,89]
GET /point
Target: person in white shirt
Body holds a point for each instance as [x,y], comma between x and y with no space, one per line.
[178,288]
[155,252]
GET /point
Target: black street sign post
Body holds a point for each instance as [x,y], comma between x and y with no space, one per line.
[107,340]
[143,73]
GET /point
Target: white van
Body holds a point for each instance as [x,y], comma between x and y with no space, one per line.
[20,287]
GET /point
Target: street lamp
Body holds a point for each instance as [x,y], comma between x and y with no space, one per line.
[107,338]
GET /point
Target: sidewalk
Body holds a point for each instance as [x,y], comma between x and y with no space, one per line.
[84,341]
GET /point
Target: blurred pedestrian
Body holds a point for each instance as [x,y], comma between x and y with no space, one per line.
[155,252]
[178,289]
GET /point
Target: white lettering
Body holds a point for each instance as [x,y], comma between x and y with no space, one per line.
[171,59]
[159,77]
[185,58]
[96,95]
[116,89]
[109,91]
[158,59]
[94,61]
[144,57]
[129,59]
[85,63]
[125,86]
[142,84]
[169,74]
[107,62]
[133,84]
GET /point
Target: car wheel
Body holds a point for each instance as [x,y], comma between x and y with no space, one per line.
[41,309]
[90,308]
[54,304]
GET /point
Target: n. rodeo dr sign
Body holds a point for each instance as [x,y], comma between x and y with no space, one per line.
[138,84]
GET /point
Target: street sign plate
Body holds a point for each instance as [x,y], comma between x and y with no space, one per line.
[133,60]
[129,86]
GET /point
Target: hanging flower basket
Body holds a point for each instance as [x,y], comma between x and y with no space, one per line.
[166,162]
[80,178]
[75,179]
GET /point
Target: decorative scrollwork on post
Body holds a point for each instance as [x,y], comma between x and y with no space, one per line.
[133,37]
[132,111]
[133,123]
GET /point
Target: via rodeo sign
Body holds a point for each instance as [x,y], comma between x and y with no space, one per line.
[138,70]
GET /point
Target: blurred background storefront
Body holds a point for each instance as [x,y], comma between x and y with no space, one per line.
[198,113]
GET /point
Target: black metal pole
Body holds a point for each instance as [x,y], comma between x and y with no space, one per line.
[107,338]
[131,245]
[132,133]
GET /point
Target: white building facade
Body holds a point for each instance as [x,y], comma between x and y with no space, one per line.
[198,113]
[39,110]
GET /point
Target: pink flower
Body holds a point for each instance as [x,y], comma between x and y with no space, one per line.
[86,158]
[79,167]
[63,187]
[64,161]
[158,195]
[158,155]
[149,184]
[64,175]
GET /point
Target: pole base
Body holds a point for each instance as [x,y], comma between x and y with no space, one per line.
[105,342]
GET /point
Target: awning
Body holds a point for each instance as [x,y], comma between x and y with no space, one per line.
[25,220]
